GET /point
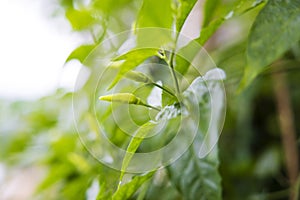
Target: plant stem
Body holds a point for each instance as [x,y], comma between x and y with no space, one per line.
[163,88]
[173,73]
[149,106]
[287,127]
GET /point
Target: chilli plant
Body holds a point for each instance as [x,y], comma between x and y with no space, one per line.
[149,103]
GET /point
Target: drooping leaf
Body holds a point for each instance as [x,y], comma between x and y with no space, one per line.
[132,60]
[196,178]
[81,53]
[127,190]
[135,143]
[183,10]
[275,30]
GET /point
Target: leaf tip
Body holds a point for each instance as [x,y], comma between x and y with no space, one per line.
[248,77]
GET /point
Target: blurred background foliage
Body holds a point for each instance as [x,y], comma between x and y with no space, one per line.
[251,163]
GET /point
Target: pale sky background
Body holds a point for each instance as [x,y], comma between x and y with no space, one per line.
[33,48]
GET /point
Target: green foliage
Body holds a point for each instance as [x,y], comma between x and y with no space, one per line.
[80,53]
[128,189]
[192,48]
[198,178]
[183,10]
[145,68]
[209,9]
[109,6]
[161,16]
[132,60]
[275,30]
[135,142]
[80,19]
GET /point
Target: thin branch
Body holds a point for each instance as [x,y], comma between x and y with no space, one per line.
[163,88]
[287,127]
[171,63]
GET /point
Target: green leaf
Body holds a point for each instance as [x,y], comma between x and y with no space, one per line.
[196,178]
[137,54]
[245,5]
[183,10]
[132,59]
[80,19]
[154,23]
[191,49]
[241,8]
[56,173]
[155,13]
[208,31]
[210,95]
[167,98]
[127,190]
[109,6]
[76,188]
[104,192]
[135,142]
[66,3]
[275,30]
[79,162]
[185,55]
[81,53]
[209,10]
